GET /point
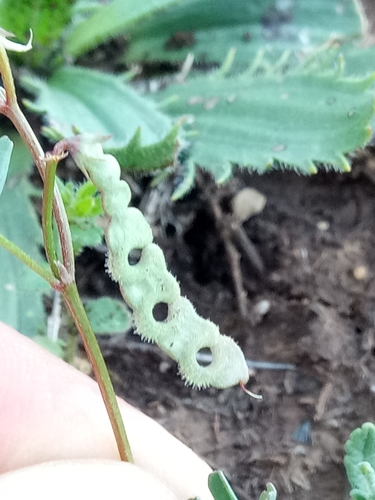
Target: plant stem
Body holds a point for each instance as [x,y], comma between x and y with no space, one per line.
[12,110]
[7,77]
[29,261]
[47,220]
[52,198]
[74,303]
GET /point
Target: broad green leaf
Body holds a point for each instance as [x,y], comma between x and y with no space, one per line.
[99,103]
[108,316]
[219,486]
[110,20]
[360,461]
[6,146]
[208,28]
[21,304]
[298,119]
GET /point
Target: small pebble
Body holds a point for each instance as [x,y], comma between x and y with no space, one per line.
[248,202]
[360,273]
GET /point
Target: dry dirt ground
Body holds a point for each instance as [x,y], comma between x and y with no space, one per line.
[312,305]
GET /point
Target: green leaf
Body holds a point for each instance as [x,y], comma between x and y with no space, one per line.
[83,206]
[366,483]
[110,20]
[219,486]
[270,493]
[108,316]
[21,290]
[6,146]
[360,462]
[297,119]
[57,348]
[208,28]
[137,158]
[46,18]
[99,103]
[21,161]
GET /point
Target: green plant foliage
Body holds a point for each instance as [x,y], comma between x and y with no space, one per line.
[21,290]
[300,119]
[6,146]
[360,462]
[110,20]
[219,486]
[137,158]
[108,316]
[95,102]
[270,493]
[46,18]
[83,206]
[208,28]
[57,348]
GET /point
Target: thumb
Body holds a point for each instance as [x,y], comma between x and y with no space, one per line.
[78,479]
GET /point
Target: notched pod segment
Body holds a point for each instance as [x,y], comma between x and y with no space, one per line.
[161,315]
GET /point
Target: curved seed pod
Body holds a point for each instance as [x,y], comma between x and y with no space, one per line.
[146,284]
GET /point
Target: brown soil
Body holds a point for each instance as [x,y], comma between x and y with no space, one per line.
[316,238]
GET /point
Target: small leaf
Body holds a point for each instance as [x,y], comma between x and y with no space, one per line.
[137,158]
[6,146]
[360,448]
[270,493]
[108,316]
[57,348]
[83,206]
[219,486]
[110,20]
[260,121]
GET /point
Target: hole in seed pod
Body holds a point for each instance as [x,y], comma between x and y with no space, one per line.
[160,311]
[204,356]
[134,256]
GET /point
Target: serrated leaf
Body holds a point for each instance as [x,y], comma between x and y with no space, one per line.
[21,290]
[95,102]
[108,316]
[135,157]
[298,119]
[110,20]
[208,28]
[6,146]
[360,449]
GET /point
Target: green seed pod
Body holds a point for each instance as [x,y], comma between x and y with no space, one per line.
[147,283]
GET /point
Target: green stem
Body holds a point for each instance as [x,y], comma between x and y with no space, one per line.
[47,219]
[29,261]
[74,303]
[67,284]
